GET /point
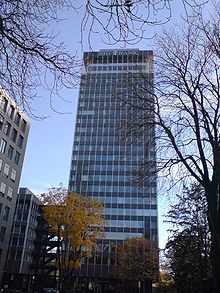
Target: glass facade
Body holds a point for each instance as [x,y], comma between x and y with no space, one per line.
[108,152]
[23,234]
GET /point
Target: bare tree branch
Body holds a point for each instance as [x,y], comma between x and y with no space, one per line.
[31,56]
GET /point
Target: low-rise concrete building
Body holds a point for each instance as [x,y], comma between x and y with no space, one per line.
[14,129]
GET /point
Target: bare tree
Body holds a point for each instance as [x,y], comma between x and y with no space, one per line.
[188,115]
[186,107]
[31,56]
[129,20]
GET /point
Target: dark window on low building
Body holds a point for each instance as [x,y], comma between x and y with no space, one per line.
[2,233]
[1,121]
[14,135]
[23,125]
[17,157]
[6,214]
[3,104]
[10,152]
[11,111]
[17,119]
[7,128]
[20,141]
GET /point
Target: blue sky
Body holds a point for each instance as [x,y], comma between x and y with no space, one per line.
[47,159]
[48,153]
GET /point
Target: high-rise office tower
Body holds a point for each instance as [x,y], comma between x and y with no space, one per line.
[14,128]
[108,154]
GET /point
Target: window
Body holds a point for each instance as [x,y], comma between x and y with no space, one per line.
[20,141]
[23,229]
[2,233]
[23,125]
[17,157]
[16,228]
[3,103]
[10,152]
[6,214]
[1,121]
[1,163]
[13,174]
[7,128]
[10,192]
[14,135]
[2,188]
[12,254]
[20,205]
[6,169]
[27,205]
[18,255]
[14,241]
[17,119]
[3,146]
[21,241]
[24,217]
[18,217]
[11,111]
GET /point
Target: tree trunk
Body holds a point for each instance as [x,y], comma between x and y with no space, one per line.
[214,226]
[215,258]
[59,259]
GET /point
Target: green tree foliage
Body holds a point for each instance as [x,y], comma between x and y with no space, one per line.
[186,263]
[77,222]
[189,213]
[188,250]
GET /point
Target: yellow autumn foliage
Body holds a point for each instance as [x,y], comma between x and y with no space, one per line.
[78,222]
[137,260]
